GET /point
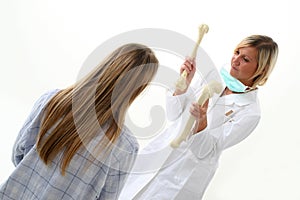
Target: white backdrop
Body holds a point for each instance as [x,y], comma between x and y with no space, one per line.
[44,43]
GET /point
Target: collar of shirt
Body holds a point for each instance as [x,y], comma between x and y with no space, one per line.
[241,99]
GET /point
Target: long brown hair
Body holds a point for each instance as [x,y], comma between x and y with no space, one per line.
[100,100]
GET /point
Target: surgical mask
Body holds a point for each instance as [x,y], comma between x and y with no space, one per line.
[232,83]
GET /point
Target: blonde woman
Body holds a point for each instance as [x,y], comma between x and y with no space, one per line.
[227,119]
[74,144]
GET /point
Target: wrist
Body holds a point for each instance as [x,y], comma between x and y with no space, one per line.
[179,92]
[201,124]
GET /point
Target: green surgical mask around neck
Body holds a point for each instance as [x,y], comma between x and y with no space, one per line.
[232,83]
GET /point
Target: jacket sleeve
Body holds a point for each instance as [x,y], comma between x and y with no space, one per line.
[211,142]
[28,133]
[175,105]
[237,130]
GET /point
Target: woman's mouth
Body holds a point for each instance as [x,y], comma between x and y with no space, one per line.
[234,68]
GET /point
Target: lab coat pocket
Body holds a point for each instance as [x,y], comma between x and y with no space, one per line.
[203,145]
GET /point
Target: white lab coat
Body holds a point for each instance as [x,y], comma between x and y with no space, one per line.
[163,173]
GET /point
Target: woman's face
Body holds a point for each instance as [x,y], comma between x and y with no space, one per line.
[244,64]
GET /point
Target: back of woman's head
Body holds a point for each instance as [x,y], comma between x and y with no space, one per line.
[127,71]
[267,53]
[119,79]
[98,101]
[125,74]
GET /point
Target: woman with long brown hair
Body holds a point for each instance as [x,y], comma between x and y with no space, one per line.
[74,144]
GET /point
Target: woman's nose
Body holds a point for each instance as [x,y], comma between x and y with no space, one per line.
[236,60]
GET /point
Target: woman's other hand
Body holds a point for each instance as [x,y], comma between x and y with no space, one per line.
[199,113]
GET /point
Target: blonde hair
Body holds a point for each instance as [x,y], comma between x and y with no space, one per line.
[105,93]
[267,53]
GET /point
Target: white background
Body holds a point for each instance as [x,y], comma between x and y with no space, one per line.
[44,43]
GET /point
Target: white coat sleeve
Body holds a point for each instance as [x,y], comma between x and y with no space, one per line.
[237,130]
[211,142]
[175,105]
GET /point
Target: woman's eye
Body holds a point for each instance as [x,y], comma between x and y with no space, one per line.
[246,60]
[237,52]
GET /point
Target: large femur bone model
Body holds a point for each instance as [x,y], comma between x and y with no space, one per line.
[207,91]
[181,82]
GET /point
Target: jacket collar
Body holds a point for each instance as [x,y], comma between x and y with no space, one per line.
[241,99]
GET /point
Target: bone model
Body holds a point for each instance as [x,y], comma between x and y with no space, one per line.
[207,92]
[181,82]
